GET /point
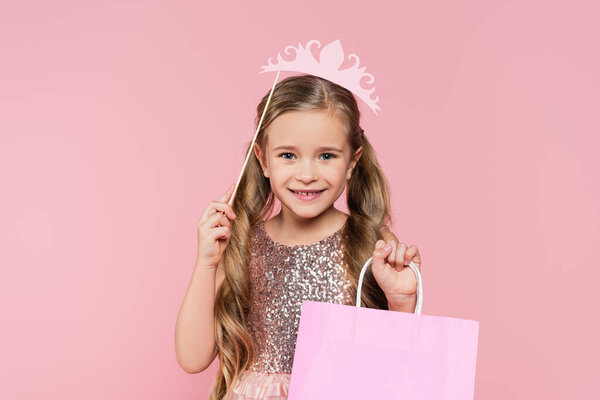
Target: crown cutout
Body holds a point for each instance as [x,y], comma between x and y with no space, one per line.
[330,59]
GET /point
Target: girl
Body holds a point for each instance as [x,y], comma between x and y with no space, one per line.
[252,273]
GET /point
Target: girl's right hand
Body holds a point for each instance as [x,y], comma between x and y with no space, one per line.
[214,230]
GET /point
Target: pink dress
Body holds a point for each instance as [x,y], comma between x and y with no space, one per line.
[282,277]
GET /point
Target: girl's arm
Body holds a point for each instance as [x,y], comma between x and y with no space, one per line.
[195,346]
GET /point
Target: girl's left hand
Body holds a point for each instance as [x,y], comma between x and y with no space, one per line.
[391,271]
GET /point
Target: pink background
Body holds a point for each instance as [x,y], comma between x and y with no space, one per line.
[121,120]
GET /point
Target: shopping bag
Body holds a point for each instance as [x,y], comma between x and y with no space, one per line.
[349,352]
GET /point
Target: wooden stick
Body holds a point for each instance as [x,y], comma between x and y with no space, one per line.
[251,149]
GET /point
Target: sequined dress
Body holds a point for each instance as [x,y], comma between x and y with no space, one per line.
[282,276]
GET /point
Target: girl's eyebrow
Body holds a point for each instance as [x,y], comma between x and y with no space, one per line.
[318,148]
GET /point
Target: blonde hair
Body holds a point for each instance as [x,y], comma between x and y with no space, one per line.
[368,205]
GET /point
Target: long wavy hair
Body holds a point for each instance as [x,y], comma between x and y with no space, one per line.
[368,203]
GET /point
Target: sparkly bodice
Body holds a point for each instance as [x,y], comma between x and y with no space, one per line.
[282,276]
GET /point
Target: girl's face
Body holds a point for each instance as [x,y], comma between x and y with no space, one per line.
[307,151]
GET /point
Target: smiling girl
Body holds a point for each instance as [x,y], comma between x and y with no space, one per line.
[253,272]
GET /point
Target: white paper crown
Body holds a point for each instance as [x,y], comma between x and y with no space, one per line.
[327,67]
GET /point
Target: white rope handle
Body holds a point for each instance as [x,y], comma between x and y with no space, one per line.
[419,285]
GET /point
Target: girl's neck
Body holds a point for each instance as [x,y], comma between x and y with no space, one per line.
[286,228]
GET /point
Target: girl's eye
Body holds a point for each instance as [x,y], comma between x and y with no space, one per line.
[325,154]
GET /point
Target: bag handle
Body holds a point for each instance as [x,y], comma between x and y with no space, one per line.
[419,285]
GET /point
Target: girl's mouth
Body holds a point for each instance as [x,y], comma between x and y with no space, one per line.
[306,195]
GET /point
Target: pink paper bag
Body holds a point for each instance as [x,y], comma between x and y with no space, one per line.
[349,352]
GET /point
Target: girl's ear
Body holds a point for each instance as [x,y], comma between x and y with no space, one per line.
[258,155]
[355,159]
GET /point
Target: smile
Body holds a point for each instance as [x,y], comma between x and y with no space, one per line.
[307,195]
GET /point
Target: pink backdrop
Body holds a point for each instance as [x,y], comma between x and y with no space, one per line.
[121,120]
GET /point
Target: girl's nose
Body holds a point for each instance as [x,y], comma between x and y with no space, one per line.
[306,172]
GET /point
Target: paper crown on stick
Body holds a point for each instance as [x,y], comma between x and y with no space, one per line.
[330,59]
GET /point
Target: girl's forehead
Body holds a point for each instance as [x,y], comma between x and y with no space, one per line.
[307,129]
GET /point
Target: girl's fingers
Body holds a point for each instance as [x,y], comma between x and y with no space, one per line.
[222,220]
[227,196]
[384,275]
[400,255]
[379,255]
[217,207]
[392,257]
[217,220]
[412,253]
[219,232]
